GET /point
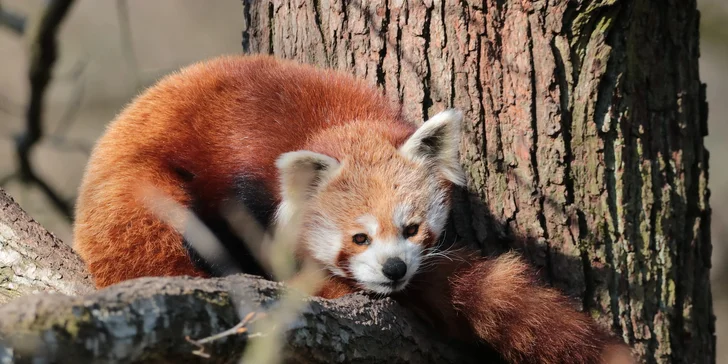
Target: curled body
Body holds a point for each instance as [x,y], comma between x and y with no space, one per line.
[372,190]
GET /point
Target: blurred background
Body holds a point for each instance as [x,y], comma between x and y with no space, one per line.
[111,49]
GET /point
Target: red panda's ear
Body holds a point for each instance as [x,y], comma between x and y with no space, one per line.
[436,143]
[302,172]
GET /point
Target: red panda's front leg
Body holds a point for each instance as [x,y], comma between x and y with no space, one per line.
[501,303]
[335,287]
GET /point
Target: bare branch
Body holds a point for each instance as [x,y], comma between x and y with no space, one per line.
[43,56]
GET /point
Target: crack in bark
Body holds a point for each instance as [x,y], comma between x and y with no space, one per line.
[537,188]
[566,106]
[610,176]
[427,102]
[568,20]
[319,25]
[381,73]
[497,55]
[398,49]
[271,27]
[565,93]
[247,18]
[589,284]
[481,101]
[451,64]
[588,15]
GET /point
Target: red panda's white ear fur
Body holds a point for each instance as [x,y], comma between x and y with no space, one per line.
[302,172]
[436,143]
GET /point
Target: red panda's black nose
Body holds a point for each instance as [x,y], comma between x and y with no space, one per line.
[394,269]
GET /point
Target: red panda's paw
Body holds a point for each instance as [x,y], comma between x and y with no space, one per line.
[525,322]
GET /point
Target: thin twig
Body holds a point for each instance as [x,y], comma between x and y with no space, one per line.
[43,56]
[238,329]
[200,349]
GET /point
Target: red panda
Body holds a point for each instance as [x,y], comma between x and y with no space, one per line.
[373,189]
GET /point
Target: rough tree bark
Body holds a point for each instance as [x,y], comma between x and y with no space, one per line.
[584,146]
[34,260]
[147,321]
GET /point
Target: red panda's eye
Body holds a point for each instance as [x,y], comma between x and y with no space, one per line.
[361,239]
[411,230]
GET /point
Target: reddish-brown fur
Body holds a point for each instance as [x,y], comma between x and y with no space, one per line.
[502,303]
[218,120]
[234,116]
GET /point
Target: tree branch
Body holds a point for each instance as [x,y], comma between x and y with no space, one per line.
[32,259]
[43,56]
[149,320]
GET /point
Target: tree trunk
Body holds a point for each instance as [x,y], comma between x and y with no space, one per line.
[584,146]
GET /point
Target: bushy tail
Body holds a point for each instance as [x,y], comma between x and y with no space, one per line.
[505,306]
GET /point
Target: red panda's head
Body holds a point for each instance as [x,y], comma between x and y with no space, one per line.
[370,209]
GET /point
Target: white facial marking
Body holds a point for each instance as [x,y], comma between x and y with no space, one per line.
[324,241]
[401,216]
[437,211]
[369,223]
[367,266]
